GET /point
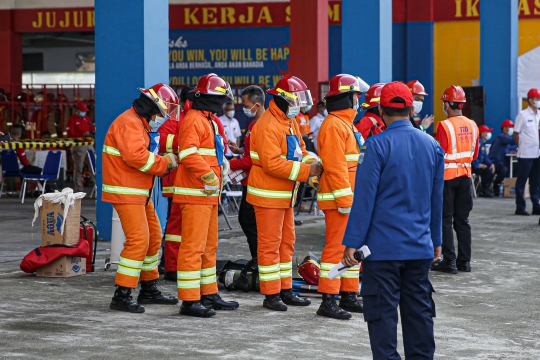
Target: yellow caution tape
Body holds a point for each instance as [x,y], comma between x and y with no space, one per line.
[36,144]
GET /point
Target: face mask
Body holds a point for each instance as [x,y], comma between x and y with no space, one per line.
[249,112]
[488,136]
[417,106]
[325,112]
[307,108]
[537,104]
[356,106]
[293,111]
[82,113]
[156,123]
[229,114]
[510,131]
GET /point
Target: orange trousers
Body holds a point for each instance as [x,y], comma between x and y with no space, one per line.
[275,248]
[336,223]
[140,256]
[196,273]
[173,238]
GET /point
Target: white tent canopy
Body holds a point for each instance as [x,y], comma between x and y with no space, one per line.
[528,73]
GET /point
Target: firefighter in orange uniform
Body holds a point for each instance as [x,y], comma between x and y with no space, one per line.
[372,123]
[339,146]
[130,165]
[280,163]
[197,191]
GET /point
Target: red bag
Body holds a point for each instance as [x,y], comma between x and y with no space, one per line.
[44,255]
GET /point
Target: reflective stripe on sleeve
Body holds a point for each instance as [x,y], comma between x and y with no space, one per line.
[272,194]
[173,238]
[207,152]
[294,171]
[190,191]
[186,152]
[151,160]
[111,151]
[342,192]
[121,190]
[325,196]
[308,157]
[254,155]
[169,144]
[352,157]
[168,190]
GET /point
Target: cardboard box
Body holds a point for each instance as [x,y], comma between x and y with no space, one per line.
[52,217]
[510,188]
[66,266]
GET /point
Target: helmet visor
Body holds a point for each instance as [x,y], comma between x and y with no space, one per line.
[225,90]
[298,98]
[362,85]
[168,110]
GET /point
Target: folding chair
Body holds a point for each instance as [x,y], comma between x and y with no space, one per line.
[51,171]
[92,158]
[475,184]
[10,167]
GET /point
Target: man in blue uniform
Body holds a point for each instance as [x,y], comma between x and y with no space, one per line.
[483,166]
[399,217]
[503,144]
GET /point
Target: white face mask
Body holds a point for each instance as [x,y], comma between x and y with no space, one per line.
[537,104]
[510,131]
[325,112]
[293,111]
[417,106]
[156,123]
[488,136]
[249,112]
[229,114]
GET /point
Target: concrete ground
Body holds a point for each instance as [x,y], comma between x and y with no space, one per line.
[490,313]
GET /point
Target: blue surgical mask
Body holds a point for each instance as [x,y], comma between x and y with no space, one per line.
[307,108]
[156,123]
[249,112]
[293,111]
[356,106]
[82,113]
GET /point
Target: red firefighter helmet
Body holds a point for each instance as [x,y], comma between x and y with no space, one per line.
[82,106]
[454,93]
[507,123]
[310,269]
[165,98]
[416,87]
[293,90]
[373,96]
[345,83]
[212,84]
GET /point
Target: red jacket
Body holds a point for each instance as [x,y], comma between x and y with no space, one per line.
[366,124]
[78,126]
[21,154]
[245,163]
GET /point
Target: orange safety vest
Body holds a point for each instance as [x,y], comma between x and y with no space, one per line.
[129,167]
[303,123]
[462,136]
[273,179]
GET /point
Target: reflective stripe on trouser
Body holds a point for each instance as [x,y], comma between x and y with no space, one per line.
[139,257]
[275,248]
[196,273]
[336,224]
[173,238]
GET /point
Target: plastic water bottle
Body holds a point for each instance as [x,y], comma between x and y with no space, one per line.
[316,208]
[501,190]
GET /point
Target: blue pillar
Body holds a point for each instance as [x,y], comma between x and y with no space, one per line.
[498,59]
[366,39]
[132,48]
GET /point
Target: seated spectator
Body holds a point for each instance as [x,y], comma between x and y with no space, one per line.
[24,164]
[316,121]
[503,144]
[483,166]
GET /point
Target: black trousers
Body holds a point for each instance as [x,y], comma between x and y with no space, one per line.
[501,171]
[457,204]
[486,177]
[31,169]
[387,284]
[528,169]
[248,223]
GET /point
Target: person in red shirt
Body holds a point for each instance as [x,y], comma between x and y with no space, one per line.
[253,103]
[371,123]
[26,168]
[79,126]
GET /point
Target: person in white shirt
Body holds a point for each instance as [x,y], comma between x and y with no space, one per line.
[232,127]
[526,135]
[316,121]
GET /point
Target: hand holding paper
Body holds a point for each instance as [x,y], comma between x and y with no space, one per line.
[339,269]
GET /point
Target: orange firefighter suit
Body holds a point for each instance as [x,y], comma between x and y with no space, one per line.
[198,156]
[280,162]
[129,169]
[339,151]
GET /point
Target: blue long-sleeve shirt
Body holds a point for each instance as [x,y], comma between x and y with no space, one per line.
[482,156]
[500,147]
[397,207]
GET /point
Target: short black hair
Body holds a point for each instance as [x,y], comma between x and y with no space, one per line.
[455,105]
[254,94]
[321,103]
[184,93]
[391,111]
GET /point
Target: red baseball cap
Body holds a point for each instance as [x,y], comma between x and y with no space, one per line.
[396,95]
[484,129]
[82,106]
[533,93]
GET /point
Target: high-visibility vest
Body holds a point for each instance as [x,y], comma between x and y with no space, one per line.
[462,136]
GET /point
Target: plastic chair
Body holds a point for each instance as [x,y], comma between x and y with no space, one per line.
[10,167]
[51,171]
[92,158]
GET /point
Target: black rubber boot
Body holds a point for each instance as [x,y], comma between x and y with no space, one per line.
[170,276]
[150,294]
[290,298]
[349,301]
[330,309]
[195,308]
[217,303]
[273,302]
[123,301]
[464,266]
[446,266]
